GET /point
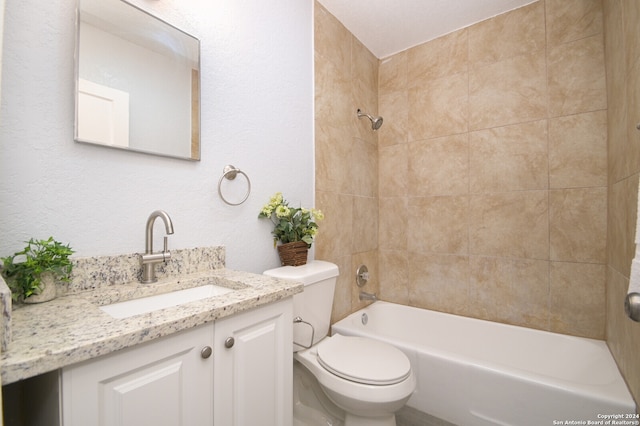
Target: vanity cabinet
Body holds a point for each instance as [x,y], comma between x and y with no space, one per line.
[253,366]
[166,382]
[236,371]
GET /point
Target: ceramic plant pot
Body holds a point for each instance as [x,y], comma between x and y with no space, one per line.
[47,290]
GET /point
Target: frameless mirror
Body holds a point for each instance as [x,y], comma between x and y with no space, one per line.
[137,81]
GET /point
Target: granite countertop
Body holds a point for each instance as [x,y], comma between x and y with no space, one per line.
[72,328]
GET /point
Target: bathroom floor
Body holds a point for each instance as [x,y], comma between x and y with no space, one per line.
[311,407]
[408,416]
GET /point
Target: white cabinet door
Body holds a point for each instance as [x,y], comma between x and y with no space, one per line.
[254,366]
[167,382]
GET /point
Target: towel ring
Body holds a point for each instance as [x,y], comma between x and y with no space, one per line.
[230,172]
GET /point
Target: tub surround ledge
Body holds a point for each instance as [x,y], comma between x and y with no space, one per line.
[72,328]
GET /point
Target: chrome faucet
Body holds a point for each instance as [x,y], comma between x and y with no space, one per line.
[367,296]
[149,258]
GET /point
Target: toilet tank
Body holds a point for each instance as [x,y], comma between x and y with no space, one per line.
[314,304]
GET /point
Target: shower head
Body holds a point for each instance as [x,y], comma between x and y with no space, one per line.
[376,122]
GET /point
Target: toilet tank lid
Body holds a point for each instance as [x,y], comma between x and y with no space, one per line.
[312,272]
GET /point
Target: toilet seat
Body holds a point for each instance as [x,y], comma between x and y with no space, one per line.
[363,360]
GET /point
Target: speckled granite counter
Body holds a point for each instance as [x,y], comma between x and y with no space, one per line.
[72,328]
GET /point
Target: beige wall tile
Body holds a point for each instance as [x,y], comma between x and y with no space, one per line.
[365,224]
[393,267]
[364,165]
[631,25]
[439,166]
[507,92]
[577,299]
[570,20]
[333,99]
[511,224]
[438,58]
[333,150]
[439,282]
[578,225]
[332,128]
[394,222]
[439,107]
[509,158]
[616,91]
[618,165]
[343,292]
[577,77]
[513,291]
[438,225]
[393,171]
[511,34]
[631,163]
[393,73]
[621,229]
[578,150]
[394,109]
[623,334]
[364,66]
[335,234]
[332,41]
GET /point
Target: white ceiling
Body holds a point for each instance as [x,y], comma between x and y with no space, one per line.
[387,27]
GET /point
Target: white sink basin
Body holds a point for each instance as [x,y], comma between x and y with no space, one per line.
[143,305]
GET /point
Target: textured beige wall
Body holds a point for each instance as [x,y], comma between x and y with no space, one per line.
[622,47]
[346,78]
[493,170]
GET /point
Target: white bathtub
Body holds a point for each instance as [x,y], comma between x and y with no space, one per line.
[472,372]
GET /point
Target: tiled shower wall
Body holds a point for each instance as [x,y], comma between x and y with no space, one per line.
[346,78]
[622,47]
[490,168]
[493,170]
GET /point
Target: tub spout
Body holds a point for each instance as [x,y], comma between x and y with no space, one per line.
[367,296]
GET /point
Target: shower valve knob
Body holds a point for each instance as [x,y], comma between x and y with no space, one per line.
[362,275]
[632,306]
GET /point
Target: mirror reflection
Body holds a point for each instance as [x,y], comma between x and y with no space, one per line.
[138,81]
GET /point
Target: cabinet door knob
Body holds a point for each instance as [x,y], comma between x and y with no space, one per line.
[229,342]
[206,352]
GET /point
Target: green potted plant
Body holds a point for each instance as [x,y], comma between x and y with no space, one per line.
[295,228]
[32,272]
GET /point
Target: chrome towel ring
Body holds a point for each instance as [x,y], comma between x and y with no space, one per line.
[230,172]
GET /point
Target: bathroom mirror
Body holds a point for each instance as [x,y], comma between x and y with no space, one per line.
[137,81]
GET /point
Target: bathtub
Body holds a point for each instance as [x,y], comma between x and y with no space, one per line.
[473,373]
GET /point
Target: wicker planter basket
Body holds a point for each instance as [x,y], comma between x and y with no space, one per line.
[293,254]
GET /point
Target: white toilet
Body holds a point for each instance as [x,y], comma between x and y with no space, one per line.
[368,379]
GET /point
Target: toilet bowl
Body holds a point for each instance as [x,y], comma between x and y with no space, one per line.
[368,379]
